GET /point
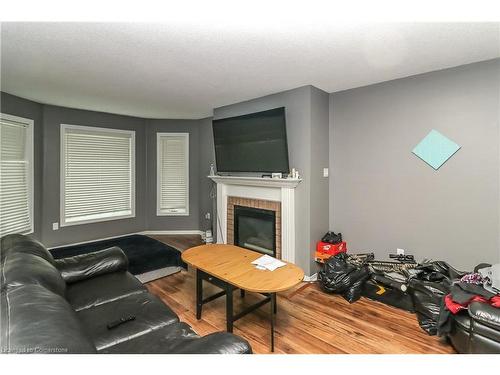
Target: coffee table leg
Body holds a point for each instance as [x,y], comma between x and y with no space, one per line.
[242,293]
[199,294]
[273,312]
[229,307]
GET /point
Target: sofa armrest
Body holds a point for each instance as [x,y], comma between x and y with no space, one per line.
[485,314]
[85,266]
[215,343]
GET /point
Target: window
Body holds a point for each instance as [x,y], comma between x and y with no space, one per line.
[172,174]
[16,175]
[97,174]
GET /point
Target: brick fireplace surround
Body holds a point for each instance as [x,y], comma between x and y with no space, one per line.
[254,203]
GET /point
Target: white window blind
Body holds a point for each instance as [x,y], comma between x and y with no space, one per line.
[173,173]
[16,175]
[97,174]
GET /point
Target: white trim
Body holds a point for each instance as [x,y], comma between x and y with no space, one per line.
[64,127]
[169,232]
[145,233]
[256,181]
[288,224]
[30,150]
[89,241]
[159,211]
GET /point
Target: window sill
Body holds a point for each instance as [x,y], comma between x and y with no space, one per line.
[92,221]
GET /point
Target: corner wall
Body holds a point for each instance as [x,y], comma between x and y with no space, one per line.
[383,197]
[47,121]
[173,223]
[53,118]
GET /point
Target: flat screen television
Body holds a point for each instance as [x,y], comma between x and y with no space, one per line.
[252,143]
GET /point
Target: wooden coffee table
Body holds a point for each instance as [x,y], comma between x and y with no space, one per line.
[230,268]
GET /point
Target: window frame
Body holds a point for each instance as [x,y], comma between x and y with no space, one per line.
[30,151]
[159,210]
[62,219]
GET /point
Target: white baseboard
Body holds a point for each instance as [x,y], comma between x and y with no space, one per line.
[89,241]
[313,277]
[147,232]
[167,232]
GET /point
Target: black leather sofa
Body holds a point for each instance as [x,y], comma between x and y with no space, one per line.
[65,306]
[476,330]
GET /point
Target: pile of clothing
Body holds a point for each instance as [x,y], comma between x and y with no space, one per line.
[483,285]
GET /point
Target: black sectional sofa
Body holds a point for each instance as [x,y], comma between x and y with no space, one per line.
[476,330]
[66,305]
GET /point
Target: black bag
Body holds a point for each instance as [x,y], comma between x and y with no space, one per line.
[428,289]
[332,238]
[382,289]
[341,277]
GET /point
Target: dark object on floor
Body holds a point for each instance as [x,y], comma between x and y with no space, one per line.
[342,277]
[428,289]
[52,314]
[332,238]
[382,289]
[144,253]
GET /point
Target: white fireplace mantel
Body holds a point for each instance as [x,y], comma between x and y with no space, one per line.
[274,189]
[257,181]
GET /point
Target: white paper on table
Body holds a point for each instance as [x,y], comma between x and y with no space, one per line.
[268,262]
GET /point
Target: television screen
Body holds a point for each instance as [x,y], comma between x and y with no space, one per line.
[252,143]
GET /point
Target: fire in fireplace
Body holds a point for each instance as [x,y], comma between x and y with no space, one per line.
[255,229]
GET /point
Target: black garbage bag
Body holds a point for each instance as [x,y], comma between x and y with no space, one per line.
[342,277]
[428,288]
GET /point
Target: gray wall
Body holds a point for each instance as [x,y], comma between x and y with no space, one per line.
[53,117]
[383,197]
[380,195]
[190,222]
[13,105]
[298,103]
[319,201]
[206,186]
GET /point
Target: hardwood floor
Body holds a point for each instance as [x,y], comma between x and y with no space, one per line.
[308,320]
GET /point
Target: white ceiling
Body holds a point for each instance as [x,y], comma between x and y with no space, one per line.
[184,70]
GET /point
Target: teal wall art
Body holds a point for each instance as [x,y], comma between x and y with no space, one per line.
[435,149]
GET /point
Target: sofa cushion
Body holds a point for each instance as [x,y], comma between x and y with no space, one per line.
[149,312]
[86,266]
[179,338]
[18,243]
[22,269]
[485,314]
[35,320]
[102,289]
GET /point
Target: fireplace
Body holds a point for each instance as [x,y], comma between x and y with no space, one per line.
[255,229]
[254,224]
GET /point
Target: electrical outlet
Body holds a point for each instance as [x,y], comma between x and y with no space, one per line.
[207,216]
[55,226]
[325,172]
[400,251]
